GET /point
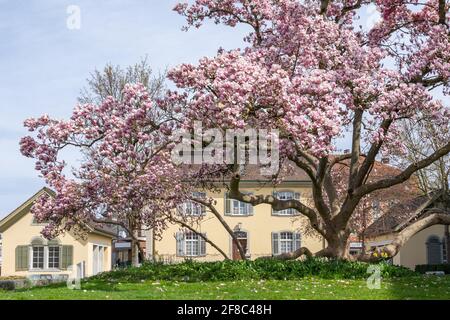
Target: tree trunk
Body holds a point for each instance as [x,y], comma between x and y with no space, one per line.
[134,253]
[337,248]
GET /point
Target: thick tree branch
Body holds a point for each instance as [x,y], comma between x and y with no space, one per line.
[303,251]
[369,160]
[442,12]
[324,6]
[356,148]
[390,250]
[276,204]
[405,175]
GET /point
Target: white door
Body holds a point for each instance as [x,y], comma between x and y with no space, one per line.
[95,260]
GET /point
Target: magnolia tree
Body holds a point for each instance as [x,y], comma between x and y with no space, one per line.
[311,73]
[306,72]
[126,176]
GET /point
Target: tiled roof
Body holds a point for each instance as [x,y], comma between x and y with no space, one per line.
[402,214]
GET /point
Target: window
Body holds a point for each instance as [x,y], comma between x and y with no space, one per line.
[444,250]
[192,208]
[434,250]
[237,208]
[53,257]
[286,195]
[285,242]
[38,257]
[355,248]
[190,244]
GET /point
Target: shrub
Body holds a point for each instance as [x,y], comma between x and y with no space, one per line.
[261,269]
[423,268]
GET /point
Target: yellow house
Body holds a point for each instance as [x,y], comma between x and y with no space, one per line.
[26,253]
[0,254]
[429,246]
[260,230]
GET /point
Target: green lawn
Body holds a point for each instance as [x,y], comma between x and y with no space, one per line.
[421,287]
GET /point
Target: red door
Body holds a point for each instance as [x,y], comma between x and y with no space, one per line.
[236,255]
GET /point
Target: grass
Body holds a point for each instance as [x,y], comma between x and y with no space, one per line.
[417,287]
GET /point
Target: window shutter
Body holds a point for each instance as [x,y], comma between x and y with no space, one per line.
[297,241]
[66,257]
[250,207]
[202,244]
[22,258]
[180,243]
[275,195]
[203,208]
[275,243]
[227,204]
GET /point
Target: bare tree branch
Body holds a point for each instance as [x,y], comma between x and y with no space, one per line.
[403,176]
[219,217]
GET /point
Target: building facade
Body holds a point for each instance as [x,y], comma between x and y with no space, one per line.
[261,231]
[26,253]
[429,246]
[0,254]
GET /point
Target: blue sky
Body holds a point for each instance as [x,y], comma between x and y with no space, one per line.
[44,65]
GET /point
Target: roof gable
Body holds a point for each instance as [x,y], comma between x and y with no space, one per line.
[23,209]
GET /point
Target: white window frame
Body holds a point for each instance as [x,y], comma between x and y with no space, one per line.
[58,250]
[32,249]
[289,242]
[192,208]
[286,242]
[285,195]
[194,243]
[239,208]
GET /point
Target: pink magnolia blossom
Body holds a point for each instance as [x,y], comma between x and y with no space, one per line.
[126,173]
